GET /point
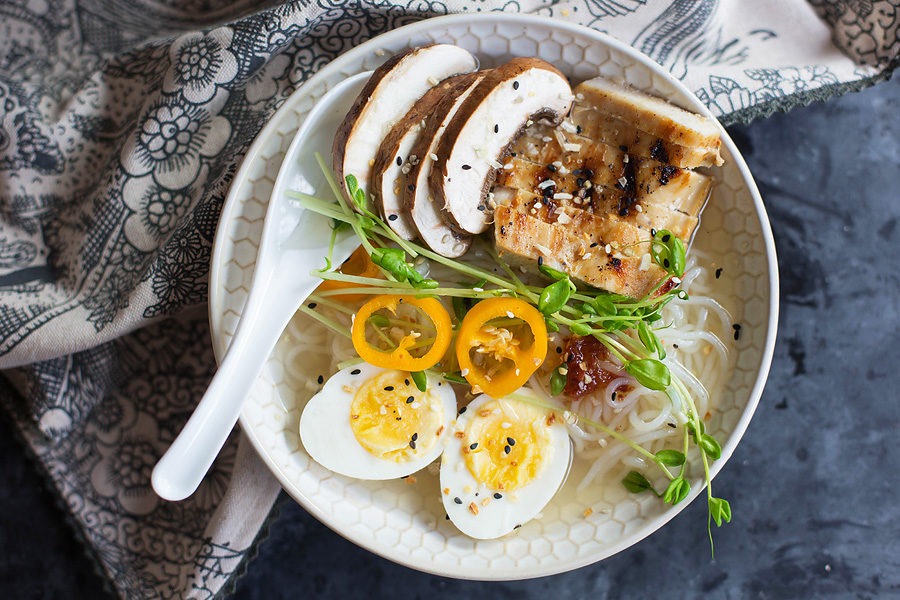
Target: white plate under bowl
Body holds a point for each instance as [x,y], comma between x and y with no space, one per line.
[405,522]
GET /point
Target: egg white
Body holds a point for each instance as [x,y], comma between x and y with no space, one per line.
[499,516]
[328,438]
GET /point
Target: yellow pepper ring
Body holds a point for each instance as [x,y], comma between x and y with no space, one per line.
[400,358]
[359,263]
[525,360]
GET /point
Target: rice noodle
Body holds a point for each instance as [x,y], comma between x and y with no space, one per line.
[696,334]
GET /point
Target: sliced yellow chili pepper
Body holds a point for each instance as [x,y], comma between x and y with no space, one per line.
[400,357]
[514,361]
[358,264]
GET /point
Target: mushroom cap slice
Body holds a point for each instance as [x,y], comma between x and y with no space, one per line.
[388,95]
[425,211]
[490,119]
[394,159]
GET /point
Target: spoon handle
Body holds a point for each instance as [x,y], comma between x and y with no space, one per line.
[181,469]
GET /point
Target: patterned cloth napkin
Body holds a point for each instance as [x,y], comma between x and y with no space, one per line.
[122,123]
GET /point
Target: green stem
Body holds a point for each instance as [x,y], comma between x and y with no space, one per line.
[334,326]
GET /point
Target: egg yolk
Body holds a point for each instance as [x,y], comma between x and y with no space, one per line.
[393,420]
[506,444]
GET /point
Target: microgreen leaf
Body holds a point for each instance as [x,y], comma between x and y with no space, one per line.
[551,325]
[650,373]
[580,329]
[710,446]
[420,380]
[668,252]
[393,260]
[605,306]
[672,458]
[557,382]
[554,296]
[587,309]
[678,256]
[677,491]
[552,273]
[636,483]
[356,193]
[648,338]
[455,378]
[719,510]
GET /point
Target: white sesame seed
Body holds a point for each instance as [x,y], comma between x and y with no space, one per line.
[568,147]
[546,183]
[464,372]
[508,166]
[645,262]
[510,314]
[608,249]
[478,289]
[623,182]
[626,159]
[433,156]
[562,196]
[638,208]
[505,425]
[496,164]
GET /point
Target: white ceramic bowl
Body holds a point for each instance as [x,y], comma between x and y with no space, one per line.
[405,523]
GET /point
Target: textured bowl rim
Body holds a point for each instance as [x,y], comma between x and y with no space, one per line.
[500,574]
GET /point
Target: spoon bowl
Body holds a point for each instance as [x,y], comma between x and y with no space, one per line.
[294,241]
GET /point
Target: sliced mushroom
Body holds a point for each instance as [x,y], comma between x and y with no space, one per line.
[424,210]
[394,159]
[486,124]
[388,95]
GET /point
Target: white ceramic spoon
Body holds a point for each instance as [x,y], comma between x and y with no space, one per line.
[293,242]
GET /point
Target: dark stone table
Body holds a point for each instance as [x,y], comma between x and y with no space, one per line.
[814,485]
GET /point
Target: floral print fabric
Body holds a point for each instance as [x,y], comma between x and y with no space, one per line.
[122,124]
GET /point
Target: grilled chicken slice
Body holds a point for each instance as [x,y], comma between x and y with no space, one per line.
[594,124]
[624,182]
[492,116]
[521,237]
[388,95]
[394,159]
[653,115]
[425,212]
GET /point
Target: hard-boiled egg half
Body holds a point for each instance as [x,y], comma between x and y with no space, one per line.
[373,423]
[504,462]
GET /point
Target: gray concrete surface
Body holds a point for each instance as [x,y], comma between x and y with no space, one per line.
[813,485]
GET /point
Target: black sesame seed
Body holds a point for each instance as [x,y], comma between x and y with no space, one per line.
[480,207]
[507,449]
[410,399]
[652,232]
[675,346]
[517,526]
[540,260]
[580,182]
[389,388]
[576,172]
[510,441]
[320,379]
[666,238]
[446,517]
[410,187]
[672,425]
[414,437]
[412,444]
[496,128]
[463,409]
[594,245]
[551,168]
[497,496]
[614,396]
[312,305]
[457,500]
[737,334]
[466,167]
[558,350]
[399,419]
[473,446]
[515,85]
[406,382]
[623,148]
[392,217]
[355,372]
[718,272]
[399,161]
[666,263]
